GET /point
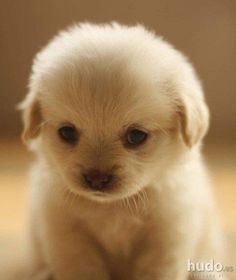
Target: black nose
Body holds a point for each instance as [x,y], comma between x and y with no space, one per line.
[97,180]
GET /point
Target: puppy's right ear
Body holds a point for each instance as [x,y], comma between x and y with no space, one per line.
[32,118]
[194,117]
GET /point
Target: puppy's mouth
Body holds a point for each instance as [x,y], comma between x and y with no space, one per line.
[120,188]
[113,193]
[97,193]
[100,196]
[99,185]
[79,187]
[104,194]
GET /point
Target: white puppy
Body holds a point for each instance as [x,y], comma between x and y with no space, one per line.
[119,189]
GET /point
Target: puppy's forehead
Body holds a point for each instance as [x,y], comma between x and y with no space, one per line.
[105,90]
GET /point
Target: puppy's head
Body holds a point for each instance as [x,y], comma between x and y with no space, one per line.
[112,108]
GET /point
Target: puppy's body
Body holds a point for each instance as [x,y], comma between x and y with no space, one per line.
[150,234]
[157,212]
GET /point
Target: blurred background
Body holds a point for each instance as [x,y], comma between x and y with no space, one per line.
[204,30]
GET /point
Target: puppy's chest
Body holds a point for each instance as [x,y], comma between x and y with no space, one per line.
[117,233]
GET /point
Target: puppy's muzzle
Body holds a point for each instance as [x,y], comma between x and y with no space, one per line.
[98,180]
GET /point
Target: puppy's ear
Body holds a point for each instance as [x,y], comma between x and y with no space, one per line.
[193,116]
[32,118]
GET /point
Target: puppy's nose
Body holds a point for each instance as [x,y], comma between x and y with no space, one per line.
[97,180]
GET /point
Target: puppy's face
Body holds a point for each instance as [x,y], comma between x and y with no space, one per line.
[107,128]
[105,139]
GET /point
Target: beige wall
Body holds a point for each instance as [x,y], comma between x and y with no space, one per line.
[204,30]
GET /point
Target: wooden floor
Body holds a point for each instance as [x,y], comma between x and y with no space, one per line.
[15,161]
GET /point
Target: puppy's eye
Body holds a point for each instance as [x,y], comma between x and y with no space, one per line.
[68,134]
[136,137]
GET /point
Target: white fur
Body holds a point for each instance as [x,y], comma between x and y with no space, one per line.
[104,79]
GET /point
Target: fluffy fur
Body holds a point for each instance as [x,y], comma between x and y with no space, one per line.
[159,213]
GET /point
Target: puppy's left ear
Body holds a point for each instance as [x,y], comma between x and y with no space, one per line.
[193,115]
[32,117]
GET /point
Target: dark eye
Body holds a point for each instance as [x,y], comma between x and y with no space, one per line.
[136,137]
[69,134]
